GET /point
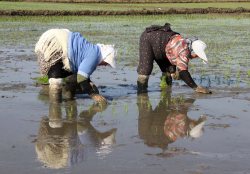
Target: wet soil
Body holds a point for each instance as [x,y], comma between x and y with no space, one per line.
[134,133]
[163,131]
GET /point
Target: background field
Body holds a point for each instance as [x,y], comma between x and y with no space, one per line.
[224,147]
[4,5]
[228,48]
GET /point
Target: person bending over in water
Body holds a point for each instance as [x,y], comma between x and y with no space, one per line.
[170,51]
[62,53]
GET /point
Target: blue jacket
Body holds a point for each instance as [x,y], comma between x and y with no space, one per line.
[84,56]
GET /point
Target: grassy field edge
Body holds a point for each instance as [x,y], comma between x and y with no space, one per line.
[79,9]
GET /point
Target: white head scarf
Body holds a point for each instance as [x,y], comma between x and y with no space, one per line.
[199,47]
[108,54]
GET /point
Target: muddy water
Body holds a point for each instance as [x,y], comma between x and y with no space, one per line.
[169,131]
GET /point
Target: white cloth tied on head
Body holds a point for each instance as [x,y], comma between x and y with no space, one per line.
[199,47]
[108,54]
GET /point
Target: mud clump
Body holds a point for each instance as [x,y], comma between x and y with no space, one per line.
[12,87]
[128,12]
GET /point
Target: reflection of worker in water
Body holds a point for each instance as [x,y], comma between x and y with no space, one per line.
[62,53]
[167,122]
[60,141]
[170,51]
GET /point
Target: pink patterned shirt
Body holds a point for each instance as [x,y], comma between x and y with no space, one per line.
[177,52]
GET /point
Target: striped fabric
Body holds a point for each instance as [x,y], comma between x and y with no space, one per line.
[51,48]
[177,52]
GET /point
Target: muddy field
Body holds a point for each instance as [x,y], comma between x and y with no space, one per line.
[95,9]
[127,12]
[149,133]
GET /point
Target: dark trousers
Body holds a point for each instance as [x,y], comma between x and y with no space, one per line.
[57,71]
[149,52]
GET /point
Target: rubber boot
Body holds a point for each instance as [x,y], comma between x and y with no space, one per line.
[55,90]
[142,84]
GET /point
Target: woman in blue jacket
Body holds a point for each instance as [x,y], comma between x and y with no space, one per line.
[62,53]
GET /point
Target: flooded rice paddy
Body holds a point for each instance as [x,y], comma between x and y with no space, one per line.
[169,131]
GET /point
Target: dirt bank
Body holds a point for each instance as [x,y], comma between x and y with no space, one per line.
[129,12]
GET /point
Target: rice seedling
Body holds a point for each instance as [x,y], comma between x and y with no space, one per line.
[41,80]
[248,73]
[125,107]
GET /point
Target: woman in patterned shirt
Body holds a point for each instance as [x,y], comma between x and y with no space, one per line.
[171,52]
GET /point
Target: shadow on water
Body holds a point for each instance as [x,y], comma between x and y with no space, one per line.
[167,122]
[67,135]
[63,137]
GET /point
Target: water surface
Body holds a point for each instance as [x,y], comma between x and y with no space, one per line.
[146,133]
